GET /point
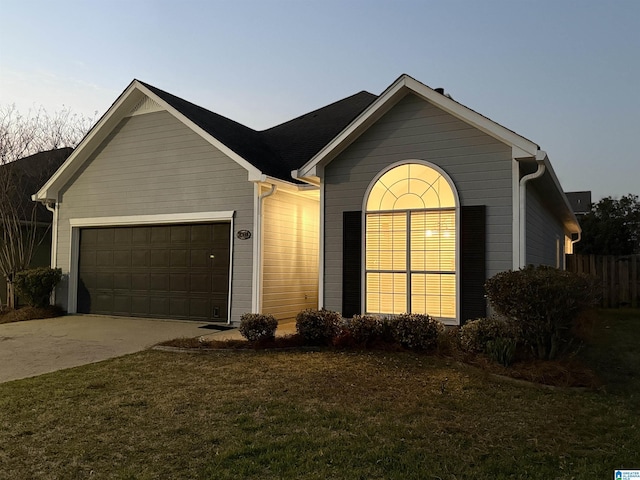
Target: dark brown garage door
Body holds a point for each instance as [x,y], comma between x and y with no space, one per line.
[160,271]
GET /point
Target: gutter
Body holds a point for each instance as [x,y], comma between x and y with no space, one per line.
[541,157]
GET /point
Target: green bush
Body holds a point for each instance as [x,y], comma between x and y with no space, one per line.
[545,302]
[417,331]
[501,350]
[318,327]
[255,327]
[475,334]
[365,329]
[35,285]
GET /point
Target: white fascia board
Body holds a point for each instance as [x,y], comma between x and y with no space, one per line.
[472,117]
[95,136]
[198,130]
[406,84]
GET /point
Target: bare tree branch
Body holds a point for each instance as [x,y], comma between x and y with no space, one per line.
[30,151]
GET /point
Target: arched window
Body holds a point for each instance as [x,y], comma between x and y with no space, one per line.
[410,246]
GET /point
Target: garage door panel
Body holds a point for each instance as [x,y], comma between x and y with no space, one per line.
[122,258]
[140,281]
[140,258]
[200,283]
[105,236]
[104,258]
[179,234]
[104,281]
[180,258]
[140,235]
[122,304]
[140,305]
[122,281]
[122,236]
[179,282]
[159,282]
[160,235]
[155,271]
[159,258]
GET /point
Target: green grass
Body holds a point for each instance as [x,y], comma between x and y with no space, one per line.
[318,415]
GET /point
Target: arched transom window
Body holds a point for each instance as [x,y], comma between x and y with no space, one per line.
[410,247]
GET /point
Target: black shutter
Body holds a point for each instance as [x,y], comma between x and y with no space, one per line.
[351,263]
[472,262]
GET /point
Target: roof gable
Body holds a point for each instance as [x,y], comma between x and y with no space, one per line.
[404,85]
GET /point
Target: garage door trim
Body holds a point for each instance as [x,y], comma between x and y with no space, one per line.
[139,220]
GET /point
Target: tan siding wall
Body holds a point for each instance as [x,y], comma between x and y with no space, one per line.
[290,254]
[479,166]
[153,164]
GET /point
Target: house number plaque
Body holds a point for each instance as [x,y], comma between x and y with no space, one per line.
[243,234]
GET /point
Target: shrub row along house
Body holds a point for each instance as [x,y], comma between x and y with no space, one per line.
[405,201]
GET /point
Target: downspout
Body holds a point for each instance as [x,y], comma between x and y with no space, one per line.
[573,242]
[258,250]
[53,208]
[540,159]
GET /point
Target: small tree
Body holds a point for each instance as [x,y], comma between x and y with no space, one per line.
[21,230]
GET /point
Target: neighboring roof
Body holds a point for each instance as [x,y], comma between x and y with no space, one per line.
[580,201]
[30,174]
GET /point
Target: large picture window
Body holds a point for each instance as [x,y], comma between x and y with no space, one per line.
[410,246]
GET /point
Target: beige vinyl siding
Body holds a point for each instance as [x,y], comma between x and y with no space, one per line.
[545,234]
[290,224]
[153,164]
[479,165]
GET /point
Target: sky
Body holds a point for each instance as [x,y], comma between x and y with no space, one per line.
[564,74]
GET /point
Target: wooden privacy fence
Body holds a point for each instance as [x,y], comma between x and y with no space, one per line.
[619,276]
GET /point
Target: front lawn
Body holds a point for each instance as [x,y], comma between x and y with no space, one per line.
[321,414]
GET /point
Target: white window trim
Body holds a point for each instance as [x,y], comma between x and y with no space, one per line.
[139,220]
[363,269]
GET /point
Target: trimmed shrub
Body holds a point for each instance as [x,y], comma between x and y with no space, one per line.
[545,302]
[501,350]
[318,327]
[417,331]
[255,327]
[475,334]
[35,285]
[365,329]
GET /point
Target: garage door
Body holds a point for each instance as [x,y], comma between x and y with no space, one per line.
[160,271]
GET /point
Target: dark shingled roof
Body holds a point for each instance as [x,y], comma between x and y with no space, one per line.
[31,173]
[280,149]
[298,140]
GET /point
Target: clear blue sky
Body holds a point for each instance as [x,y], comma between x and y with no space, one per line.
[565,74]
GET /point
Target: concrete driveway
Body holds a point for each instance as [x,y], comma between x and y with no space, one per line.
[35,347]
